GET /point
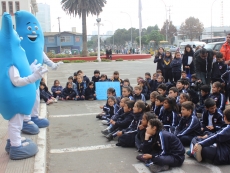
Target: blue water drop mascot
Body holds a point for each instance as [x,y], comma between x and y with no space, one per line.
[17,89]
[28,27]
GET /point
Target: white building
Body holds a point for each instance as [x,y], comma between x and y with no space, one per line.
[43,16]
[11,6]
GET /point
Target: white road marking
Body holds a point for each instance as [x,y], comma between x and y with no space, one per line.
[141,168]
[71,115]
[77,149]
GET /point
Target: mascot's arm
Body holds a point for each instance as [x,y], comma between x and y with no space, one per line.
[19,81]
[50,63]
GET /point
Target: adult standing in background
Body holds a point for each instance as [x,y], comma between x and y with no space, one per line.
[187,61]
[159,59]
[225,50]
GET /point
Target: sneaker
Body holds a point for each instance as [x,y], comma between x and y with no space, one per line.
[110,137]
[140,158]
[55,100]
[189,153]
[118,144]
[105,132]
[105,122]
[156,168]
[29,127]
[197,155]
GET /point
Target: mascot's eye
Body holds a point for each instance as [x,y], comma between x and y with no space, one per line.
[36,27]
[29,28]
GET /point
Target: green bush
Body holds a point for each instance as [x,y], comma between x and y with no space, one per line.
[120,59]
[105,60]
[79,61]
[66,61]
[50,55]
[95,54]
[96,60]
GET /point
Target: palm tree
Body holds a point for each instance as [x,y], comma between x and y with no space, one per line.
[83,8]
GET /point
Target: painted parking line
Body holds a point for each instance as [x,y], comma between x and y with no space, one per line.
[77,149]
[71,115]
[141,168]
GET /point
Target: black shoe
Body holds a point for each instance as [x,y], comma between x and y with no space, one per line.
[109,137]
[156,168]
[105,132]
[98,116]
[118,144]
[140,158]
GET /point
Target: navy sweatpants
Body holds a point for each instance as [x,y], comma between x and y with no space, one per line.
[167,160]
[127,140]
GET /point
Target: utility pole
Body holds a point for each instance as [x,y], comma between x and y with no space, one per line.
[59,31]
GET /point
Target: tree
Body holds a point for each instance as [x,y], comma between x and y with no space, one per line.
[155,36]
[83,8]
[144,40]
[171,31]
[192,28]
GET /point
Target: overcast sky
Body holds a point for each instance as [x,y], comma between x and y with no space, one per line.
[153,12]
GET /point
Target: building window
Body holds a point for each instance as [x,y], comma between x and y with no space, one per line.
[11,11]
[3,6]
[51,39]
[77,39]
[17,6]
[65,39]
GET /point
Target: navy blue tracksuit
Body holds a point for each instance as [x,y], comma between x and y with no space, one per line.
[219,154]
[140,97]
[176,69]
[56,88]
[81,89]
[68,92]
[218,68]
[166,149]
[168,118]
[109,111]
[45,95]
[153,85]
[89,93]
[219,99]
[200,107]
[217,121]
[188,128]
[127,139]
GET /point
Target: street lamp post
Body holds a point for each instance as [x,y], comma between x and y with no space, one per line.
[211,18]
[131,28]
[98,47]
[59,31]
[113,32]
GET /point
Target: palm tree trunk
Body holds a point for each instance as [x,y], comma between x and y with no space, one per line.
[84,33]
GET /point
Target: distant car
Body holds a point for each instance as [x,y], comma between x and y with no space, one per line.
[214,46]
[173,49]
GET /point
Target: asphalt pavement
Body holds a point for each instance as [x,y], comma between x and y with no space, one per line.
[74,140]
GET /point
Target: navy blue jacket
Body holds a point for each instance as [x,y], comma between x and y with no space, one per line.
[117,115]
[176,65]
[45,94]
[220,100]
[133,127]
[188,126]
[191,70]
[56,88]
[89,92]
[218,68]
[165,66]
[153,85]
[124,120]
[68,92]
[94,79]
[164,144]
[168,118]
[86,80]
[152,107]
[217,120]
[81,88]
[159,62]
[110,110]
[158,109]
[140,97]
[222,139]
[200,107]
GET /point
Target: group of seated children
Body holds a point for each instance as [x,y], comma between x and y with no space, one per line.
[161,130]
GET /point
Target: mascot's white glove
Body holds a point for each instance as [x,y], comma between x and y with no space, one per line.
[38,74]
[56,65]
[34,66]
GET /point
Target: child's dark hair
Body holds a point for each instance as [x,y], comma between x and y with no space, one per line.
[186,82]
[116,72]
[193,76]
[185,95]
[209,102]
[154,94]
[157,123]
[148,74]
[67,83]
[96,72]
[188,105]
[205,88]
[183,72]
[141,105]
[79,71]
[71,77]
[177,52]
[160,98]
[91,83]
[111,90]
[42,84]
[75,74]
[162,86]
[138,87]
[170,56]
[128,89]
[145,83]
[181,81]
[112,98]
[149,115]
[219,55]
[126,80]
[56,81]
[130,104]
[126,99]
[174,89]
[227,114]
[159,71]
[218,85]
[172,102]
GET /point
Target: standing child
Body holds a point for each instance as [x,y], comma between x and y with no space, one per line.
[159,57]
[68,92]
[90,92]
[140,137]
[218,96]
[167,69]
[80,88]
[176,67]
[127,136]
[169,115]
[137,94]
[217,147]
[188,65]
[57,89]
[162,148]
[127,92]
[153,97]
[189,125]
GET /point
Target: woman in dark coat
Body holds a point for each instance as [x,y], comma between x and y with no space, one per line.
[187,66]
[159,57]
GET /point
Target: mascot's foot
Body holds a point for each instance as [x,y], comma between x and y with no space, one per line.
[26,150]
[8,145]
[40,122]
[29,127]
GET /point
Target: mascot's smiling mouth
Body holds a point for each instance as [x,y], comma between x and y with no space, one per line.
[32,37]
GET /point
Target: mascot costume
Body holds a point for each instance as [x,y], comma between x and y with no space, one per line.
[17,89]
[28,27]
